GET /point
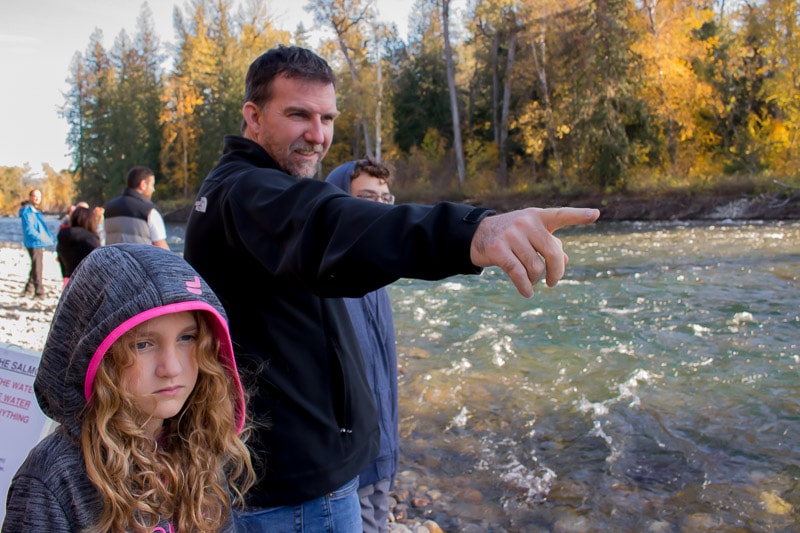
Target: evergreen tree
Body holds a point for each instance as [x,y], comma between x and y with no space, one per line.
[421,98]
[88,111]
[608,116]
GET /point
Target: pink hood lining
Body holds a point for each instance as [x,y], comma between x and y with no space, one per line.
[219,329]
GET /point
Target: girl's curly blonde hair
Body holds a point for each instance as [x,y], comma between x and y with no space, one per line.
[191,472]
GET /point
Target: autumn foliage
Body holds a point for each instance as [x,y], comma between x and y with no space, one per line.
[565,95]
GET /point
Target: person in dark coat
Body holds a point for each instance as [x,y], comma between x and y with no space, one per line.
[76,240]
[281,250]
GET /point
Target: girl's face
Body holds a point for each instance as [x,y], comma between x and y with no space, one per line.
[165,371]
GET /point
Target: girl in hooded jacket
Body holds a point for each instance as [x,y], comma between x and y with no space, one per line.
[138,370]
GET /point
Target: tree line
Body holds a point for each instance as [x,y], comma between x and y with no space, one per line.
[506,95]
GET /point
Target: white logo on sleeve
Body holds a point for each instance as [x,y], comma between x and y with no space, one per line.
[201,204]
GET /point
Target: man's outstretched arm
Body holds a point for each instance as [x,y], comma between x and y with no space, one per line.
[523,245]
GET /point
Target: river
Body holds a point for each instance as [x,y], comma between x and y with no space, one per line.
[654,389]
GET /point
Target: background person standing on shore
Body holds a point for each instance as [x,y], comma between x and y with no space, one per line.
[374,326]
[36,236]
[132,217]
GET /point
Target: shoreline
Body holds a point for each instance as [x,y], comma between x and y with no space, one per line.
[666,207]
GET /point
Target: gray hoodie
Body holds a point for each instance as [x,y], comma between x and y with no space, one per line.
[113,290]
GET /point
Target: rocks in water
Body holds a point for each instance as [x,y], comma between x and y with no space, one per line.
[413,504]
[572,523]
[414,352]
[420,502]
[775,504]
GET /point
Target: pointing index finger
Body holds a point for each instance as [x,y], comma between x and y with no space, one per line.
[559,217]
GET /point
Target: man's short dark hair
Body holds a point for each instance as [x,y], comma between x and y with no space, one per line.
[287,61]
[370,166]
[137,175]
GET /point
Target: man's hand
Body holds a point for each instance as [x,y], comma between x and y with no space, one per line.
[523,245]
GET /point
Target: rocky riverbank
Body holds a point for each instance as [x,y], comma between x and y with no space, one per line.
[667,207]
[632,207]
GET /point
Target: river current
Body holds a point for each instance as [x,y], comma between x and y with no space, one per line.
[655,388]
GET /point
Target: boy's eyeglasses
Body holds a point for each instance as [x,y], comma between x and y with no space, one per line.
[386,198]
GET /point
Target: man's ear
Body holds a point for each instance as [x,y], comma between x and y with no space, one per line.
[252,116]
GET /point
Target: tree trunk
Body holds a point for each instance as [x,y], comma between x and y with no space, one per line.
[503,137]
[495,89]
[379,103]
[541,71]
[451,85]
[359,91]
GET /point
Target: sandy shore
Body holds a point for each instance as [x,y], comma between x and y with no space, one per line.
[24,321]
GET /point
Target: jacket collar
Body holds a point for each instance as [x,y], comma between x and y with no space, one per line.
[136,194]
[250,150]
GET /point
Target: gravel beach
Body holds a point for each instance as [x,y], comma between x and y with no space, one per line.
[24,322]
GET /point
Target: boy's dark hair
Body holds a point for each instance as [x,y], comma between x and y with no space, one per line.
[368,165]
[136,175]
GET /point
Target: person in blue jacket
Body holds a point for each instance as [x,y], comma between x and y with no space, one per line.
[374,326]
[36,237]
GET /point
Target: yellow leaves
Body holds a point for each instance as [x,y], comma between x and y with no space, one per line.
[434,145]
[671,87]
[180,130]
[532,124]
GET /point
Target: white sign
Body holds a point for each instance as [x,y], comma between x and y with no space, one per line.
[22,423]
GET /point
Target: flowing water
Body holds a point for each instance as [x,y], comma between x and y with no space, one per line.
[655,388]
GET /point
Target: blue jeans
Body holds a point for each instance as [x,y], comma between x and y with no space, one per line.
[337,512]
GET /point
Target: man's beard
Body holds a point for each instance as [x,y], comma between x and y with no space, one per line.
[304,168]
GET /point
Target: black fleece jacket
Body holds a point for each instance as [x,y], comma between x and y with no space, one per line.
[280,253]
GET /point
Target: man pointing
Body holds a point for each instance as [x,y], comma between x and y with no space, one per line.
[281,250]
